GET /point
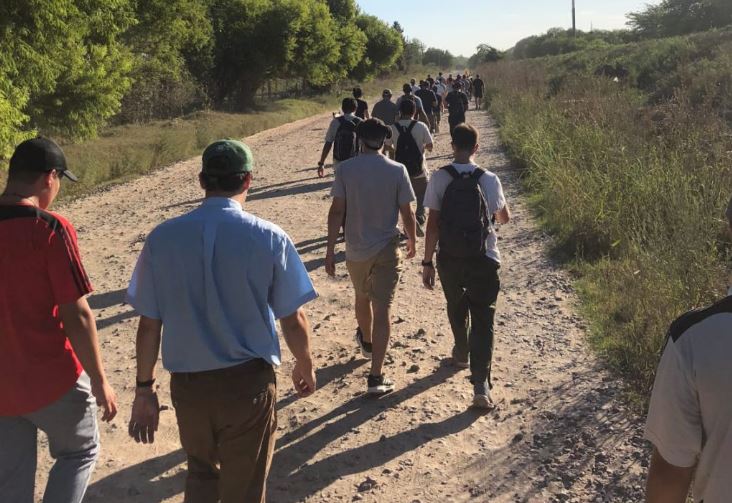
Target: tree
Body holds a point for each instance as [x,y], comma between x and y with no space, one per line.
[678,17]
[438,57]
[413,53]
[383,47]
[484,54]
[63,69]
[344,11]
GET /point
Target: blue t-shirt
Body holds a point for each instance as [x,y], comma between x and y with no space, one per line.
[218,278]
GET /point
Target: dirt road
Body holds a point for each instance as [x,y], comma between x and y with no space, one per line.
[559,432]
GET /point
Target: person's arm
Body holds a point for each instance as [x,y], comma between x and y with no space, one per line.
[366,115]
[324,154]
[503,216]
[335,221]
[410,227]
[428,147]
[667,483]
[81,329]
[423,116]
[146,408]
[431,237]
[296,332]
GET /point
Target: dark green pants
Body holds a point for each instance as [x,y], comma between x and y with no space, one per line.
[471,288]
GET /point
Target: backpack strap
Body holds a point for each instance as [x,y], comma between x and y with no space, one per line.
[411,126]
[399,128]
[477,173]
[451,169]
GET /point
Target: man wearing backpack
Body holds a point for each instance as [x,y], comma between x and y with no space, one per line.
[341,136]
[457,103]
[376,191]
[411,138]
[429,101]
[463,200]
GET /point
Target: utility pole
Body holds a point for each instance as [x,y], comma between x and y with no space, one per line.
[574,21]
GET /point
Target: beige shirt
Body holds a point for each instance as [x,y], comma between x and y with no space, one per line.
[690,416]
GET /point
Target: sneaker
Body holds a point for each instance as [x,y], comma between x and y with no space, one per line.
[482,396]
[379,385]
[366,347]
[461,363]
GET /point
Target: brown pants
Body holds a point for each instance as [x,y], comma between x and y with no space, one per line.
[227,421]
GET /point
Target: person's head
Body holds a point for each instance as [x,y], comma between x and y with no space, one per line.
[357,92]
[386,94]
[464,140]
[477,76]
[226,169]
[424,84]
[36,169]
[372,133]
[407,109]
[412,81]
[457,85]
[407,89]
[349,105]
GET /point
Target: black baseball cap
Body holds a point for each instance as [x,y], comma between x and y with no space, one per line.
[40,155]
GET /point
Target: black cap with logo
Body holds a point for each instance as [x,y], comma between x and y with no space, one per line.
[40,155]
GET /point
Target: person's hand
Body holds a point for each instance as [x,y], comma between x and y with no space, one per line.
[145,416]
[106,398]
[428,277]
[303,377]
[411,248]
[330,265]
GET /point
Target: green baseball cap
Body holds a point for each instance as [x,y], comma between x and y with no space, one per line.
[227,157]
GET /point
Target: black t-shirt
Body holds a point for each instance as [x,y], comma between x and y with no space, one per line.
[457,103]
[429,100]
[361,107]
[478,86]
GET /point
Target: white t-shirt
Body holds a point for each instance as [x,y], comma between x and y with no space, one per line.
[690,416]
[420,133]
[492,190]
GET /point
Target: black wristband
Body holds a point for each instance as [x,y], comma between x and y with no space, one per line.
[427,264]
[146,384]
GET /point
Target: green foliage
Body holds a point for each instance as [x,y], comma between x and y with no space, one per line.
[384,46]
[484,54]
[633,183]
[413,54]
[679,17]
[438,57]
[62,65]
[560,41]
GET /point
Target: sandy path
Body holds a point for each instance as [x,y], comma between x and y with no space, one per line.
[559,434]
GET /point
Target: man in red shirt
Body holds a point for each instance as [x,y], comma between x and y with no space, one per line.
[52,370]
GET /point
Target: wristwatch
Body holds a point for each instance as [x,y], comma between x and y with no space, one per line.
[146,384]
[427,264]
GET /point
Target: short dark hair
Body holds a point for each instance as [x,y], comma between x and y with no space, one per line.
[24,176]
[349,105]
[464,137]
[407,107]
[357,92]
[407,89]
[226,183]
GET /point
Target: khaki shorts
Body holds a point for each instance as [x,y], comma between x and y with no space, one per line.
[377,277]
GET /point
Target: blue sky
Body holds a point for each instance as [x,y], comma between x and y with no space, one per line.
[460,25]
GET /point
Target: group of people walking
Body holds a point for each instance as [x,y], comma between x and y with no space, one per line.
[209,287]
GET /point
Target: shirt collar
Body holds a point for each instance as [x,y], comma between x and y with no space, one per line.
[221,202]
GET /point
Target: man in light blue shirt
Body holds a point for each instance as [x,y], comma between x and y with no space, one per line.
[210,284]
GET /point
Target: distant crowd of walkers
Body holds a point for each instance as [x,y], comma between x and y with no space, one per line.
[209,287]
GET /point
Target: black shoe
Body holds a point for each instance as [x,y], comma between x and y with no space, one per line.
[379,385]
[366,347]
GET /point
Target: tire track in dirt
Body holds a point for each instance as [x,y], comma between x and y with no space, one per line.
[560,432]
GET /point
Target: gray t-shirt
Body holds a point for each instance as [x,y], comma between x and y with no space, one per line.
[690,415]
[492,190]
[374,188]
[386,110]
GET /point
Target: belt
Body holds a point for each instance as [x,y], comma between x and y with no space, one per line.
[248,367]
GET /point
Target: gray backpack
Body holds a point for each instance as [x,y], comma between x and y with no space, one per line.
[465,223]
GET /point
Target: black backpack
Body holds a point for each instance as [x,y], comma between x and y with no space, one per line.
[345,144]
[465,223]
[407,150]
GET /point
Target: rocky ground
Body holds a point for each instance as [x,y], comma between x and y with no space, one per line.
[560,431]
